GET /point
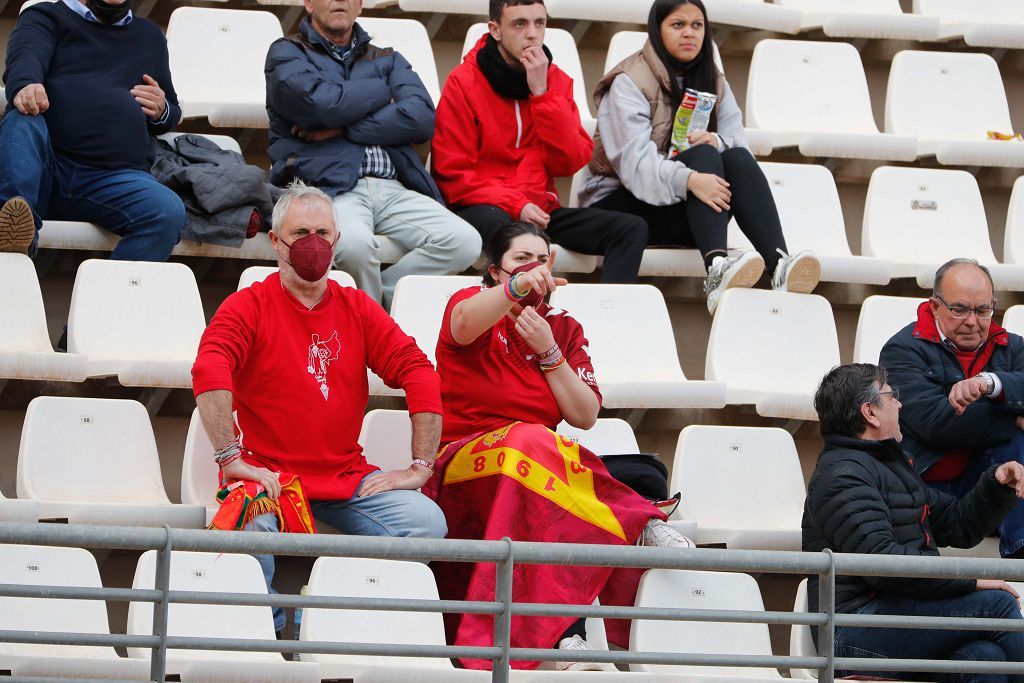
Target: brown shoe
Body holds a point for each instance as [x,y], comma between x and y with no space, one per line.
[17,227]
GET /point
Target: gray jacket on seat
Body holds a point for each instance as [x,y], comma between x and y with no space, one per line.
[220,191]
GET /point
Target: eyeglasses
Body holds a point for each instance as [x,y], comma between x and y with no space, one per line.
[960,311]
[894,392]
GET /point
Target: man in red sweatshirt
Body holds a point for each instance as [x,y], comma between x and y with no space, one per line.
[280,382]
[506,127]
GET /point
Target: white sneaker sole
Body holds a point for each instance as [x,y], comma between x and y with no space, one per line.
[744,273]
[804,275]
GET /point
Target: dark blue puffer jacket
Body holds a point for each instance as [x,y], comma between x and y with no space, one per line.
[372,93]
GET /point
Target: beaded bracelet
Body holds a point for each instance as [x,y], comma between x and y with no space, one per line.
[550,353]
[228,453]
[230,459]
[552,367]
[423,463]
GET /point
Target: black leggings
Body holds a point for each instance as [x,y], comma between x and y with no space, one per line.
[619,237]
[692,223]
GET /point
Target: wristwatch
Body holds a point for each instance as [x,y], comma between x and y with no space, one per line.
[990,383]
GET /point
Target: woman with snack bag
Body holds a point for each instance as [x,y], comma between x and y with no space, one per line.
[670,148]
[512,367]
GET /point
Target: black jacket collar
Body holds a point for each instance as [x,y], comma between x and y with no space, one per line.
[360,39]
[887,449]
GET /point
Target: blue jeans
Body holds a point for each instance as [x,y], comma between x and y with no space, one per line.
[131,203]
[898,643]
[391,513]
[1011,531]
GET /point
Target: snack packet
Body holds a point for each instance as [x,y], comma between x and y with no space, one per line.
[693,116]
[995,135]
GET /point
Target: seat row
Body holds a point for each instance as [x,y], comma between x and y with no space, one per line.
[95,461]
[338,577]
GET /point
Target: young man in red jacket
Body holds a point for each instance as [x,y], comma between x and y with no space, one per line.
[506,127]
[280,382]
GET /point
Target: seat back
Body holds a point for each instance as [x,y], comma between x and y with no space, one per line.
[622,45]
[771,342]
[801,644]
[808,86]
[419,303]
[89,450]
[608,436]
[884,7]
[809,208]
[260,273]
[563,53]
[21,307]
[925,216]
[946,95]
[762,466]
[35,565]
[386,438]
[617,317]
[369,578]
[880,318]
[200,475]
[218,55]
[410,38]
[206,573]
[1013,319]
[1013,242]
[700,590]
[982,11]
[131,311]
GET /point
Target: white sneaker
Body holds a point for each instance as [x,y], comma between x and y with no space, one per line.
[661,535]
[731,271]
[577,644]
[798,273]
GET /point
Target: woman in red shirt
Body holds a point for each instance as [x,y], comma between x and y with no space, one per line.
[512,367]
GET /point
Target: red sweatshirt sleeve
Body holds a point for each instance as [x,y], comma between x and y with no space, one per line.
[574,347]
[226,343]
[454,155]
[567,146]
[395,358]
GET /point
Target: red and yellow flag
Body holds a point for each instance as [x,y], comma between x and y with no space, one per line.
[525,482]
[242,501]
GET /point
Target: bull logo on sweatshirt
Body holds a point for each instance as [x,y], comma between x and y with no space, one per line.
[321,353]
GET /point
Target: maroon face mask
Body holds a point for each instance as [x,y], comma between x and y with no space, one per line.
[534,298]
[311,257]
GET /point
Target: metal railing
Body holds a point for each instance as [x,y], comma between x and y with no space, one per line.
[505,554]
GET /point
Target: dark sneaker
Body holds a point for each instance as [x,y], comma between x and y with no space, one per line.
[17,227]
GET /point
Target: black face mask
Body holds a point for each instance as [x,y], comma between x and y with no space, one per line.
[108,13]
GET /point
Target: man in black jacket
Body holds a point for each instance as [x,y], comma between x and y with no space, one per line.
[344,116]
[88,83]
[962,380]
[865,497]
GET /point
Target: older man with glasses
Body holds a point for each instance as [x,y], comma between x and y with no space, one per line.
[962,382]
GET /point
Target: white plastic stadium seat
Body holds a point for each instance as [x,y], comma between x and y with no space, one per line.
[622,45]
[763,506]
[801,644]
[386,439]
[140,321]
[95,461]
[812,218]
[879,19]
[565,55]
[35,565]
[418,307]
[1013,319]
[409,37]
[626,324]
[608,436]
[1013,243]
[472,7]
[260,273]
[949,101]
[984,23]
[17,510]
[919,218]
[814,95]
[772,349]
[199,473]
[25,349]
[701,590]
[214,573]
[880,318]
[217,58]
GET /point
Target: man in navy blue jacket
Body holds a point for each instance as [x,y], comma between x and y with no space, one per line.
[87,85]
[961,379]
[344,116]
